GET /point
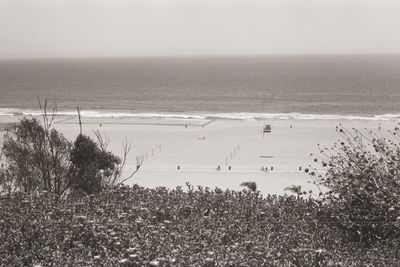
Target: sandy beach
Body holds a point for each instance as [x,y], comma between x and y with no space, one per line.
[199,146]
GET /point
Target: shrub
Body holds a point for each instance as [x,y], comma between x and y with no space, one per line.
[362,178]
[92,166]
[35,157]
[140,226]
[250,185]
[295,189]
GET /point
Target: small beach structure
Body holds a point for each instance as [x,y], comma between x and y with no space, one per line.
[267,128]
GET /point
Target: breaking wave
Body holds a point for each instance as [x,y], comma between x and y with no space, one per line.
[203,115]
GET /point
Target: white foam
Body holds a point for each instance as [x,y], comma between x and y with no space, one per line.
[300,116]
[202,116]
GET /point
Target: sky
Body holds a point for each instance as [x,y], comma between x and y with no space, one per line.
[102,28]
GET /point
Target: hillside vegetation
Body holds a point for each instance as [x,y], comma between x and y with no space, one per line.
[158,227]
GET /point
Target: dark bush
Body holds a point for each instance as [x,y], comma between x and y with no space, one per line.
[250,185]
[92,166]
[35,157]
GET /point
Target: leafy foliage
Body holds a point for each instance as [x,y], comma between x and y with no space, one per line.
[35,158]
[295,189]
[250,185]
[159,227]
[92,166]
[362,178]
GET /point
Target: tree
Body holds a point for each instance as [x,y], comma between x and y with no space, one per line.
[92,166]
[35,156]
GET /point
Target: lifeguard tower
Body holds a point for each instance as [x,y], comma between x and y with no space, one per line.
[267,128]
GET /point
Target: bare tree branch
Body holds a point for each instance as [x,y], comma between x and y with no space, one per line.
[139,162]
[79,118]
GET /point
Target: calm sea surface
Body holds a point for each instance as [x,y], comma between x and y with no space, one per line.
[316,85]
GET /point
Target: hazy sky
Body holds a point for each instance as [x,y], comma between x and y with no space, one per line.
[73,28]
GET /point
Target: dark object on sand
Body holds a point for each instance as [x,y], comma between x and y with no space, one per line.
[267,128]
[179,167]
[229,168]
[250,185]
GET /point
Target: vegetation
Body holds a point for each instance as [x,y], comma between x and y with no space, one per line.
[36,157]
[361,175]
[159,227]
[92,166]
[354,221]
[250,185]
[295,189]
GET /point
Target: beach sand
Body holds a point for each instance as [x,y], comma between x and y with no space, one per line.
[199,146]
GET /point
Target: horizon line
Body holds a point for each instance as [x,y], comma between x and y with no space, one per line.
[196,56]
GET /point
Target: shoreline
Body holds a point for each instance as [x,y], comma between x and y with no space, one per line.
[99,113]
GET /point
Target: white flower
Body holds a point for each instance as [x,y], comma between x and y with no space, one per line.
[155,263]
[123,260]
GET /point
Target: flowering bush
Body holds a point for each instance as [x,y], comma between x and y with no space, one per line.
[362,178]
[159,227]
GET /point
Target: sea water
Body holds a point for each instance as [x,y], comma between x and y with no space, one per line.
[257,87]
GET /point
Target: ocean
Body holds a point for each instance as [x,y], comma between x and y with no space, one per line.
[302,87]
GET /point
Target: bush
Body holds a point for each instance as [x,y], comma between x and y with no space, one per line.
[92,166]
[362,178]
[159,227]
[35,157]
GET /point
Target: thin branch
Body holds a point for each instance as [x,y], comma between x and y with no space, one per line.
[79,119]
[139,162]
